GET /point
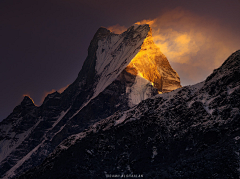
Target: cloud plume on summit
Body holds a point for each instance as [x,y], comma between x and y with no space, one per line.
[194,45]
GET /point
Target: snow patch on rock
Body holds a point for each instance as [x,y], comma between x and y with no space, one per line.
[140,90]
[121,119]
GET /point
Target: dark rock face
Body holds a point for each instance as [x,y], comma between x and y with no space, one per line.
[30,133]
[192,132]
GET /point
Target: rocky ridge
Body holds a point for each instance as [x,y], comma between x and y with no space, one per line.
[192,132]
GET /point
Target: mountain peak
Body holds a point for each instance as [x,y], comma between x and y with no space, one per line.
[101,32]
[27,101]
[231,65]
[150,63]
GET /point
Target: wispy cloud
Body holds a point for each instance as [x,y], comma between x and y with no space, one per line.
[117,29]
[194,45]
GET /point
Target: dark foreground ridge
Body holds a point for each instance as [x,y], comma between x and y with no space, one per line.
[192,132]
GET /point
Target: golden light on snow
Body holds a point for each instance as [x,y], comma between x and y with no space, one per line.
[148,63]
[145,63]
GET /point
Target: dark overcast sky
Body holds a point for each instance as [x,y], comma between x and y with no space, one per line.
[43,43]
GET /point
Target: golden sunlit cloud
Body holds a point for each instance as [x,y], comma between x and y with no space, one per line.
[117,29]
[194,45]
[150,22]
[198,43]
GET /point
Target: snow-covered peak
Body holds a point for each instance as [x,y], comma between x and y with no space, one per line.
[119,45]
[135,50]
[151,64]
[115,52]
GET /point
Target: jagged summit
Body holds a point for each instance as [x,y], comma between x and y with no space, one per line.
[27,102]
[102,31]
